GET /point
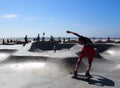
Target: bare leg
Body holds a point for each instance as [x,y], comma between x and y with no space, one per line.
[88,69]
[76,66]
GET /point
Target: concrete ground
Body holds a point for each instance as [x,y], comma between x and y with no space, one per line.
[20,68]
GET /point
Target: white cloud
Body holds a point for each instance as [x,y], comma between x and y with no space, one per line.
[7,16]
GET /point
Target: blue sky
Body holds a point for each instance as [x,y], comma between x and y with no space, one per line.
[91,18]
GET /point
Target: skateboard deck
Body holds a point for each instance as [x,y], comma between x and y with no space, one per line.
[81,77]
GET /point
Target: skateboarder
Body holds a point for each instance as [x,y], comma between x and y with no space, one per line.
[88,50]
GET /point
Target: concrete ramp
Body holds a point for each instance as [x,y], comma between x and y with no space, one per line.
[114,50]
[38,46]
[46,62]
[52,67]
[111,53]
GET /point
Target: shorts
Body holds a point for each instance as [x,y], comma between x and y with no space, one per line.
[87,51]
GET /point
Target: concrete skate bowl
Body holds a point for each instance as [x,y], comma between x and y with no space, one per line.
[57,67]
[114,50]
[107,57]
[99,48]
[52,67]
[38,46]
[107,50]
[43,65]
[5,53]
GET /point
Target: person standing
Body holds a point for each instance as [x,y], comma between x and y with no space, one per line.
[26,40]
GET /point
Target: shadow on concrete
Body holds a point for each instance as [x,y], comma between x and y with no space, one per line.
[98,81]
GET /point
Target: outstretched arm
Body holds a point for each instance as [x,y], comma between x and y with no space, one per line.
[73,33]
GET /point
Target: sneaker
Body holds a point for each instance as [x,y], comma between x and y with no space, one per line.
[88,74]
[75,74]
[75,77]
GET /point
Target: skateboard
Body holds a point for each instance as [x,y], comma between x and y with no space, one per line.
[81,77]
